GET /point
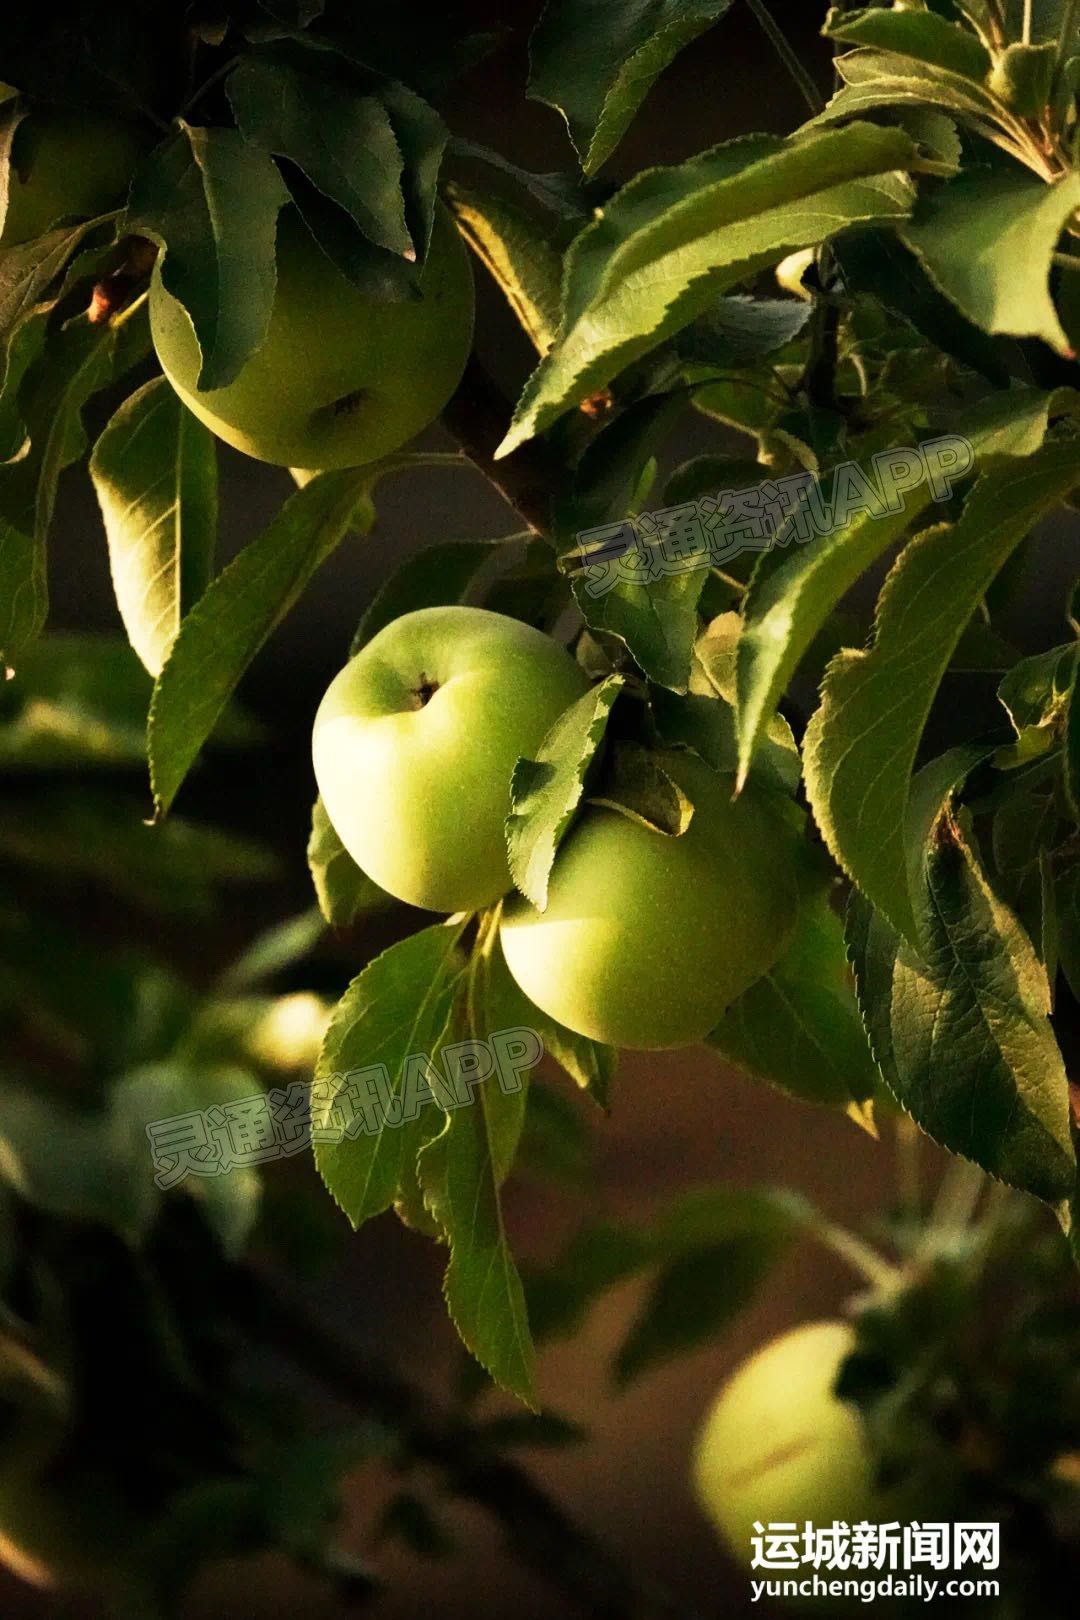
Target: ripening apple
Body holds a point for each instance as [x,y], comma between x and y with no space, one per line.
[65,166]
[340,378]
[646,939]
[416,740]
[778,1446]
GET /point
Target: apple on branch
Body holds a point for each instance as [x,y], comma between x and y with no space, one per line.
[416,740]
[646,939]
[341,378]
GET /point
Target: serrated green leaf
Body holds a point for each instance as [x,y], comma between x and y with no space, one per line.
[154,469]
[876,263]
[735,331]
[861,744]
[636,785]
[657,622]
[1023,77]
[715,655]
[211,202]
[400,1007]
[461,1172]
[340,138]
[79,360]
[546,791]
[799,1028]
[29,269]
[795,586]
[221,635]
[522,259]
[960,1031]
[986,240]
[343,891]
[671,240]
[875,79]
[920,35]
[595,61]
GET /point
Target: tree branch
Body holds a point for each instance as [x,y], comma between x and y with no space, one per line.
[477,417]
[539,1532]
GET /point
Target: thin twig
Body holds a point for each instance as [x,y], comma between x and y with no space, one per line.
[779,42]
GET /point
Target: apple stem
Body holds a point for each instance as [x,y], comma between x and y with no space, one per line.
[424,693]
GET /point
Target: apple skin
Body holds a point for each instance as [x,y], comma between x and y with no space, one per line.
[340,379]
[62,165]
[647,939]
[778,1446]
[417,786]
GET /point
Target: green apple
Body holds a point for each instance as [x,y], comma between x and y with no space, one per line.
[646,939]
[779,1447]
[63,165]
[416,740]
[340,378]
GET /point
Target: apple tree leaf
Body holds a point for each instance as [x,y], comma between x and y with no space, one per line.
[518,254]
[238,610]
[861,743]
[922,36]
[594,61]
[799,1028]
[211,201]
[546,791]
[154,469]
[960,1029]
[344,892]
[461,1173]
[657,622]
[342,139]
[672,239]
[29,269]
[876,262]
[635,784]
[372,1077]
[800,579]
[876,79]
[79,360]
[986,240]
[737,330]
